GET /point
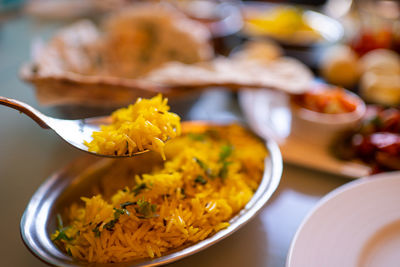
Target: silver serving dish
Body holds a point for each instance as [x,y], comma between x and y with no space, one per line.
[77,179]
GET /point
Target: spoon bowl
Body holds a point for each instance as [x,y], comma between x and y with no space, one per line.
[79,178]
[74,132]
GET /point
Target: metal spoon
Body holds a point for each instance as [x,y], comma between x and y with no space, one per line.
[73,132]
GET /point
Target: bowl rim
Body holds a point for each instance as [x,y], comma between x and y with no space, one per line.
[34,221]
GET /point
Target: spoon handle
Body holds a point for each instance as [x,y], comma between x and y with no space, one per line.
[25,108]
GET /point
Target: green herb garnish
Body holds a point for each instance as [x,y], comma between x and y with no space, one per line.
[62,236]
[126,204]
[204,166]
[199,179]
[145,209]
[96,230]
[201,164]
[183,192]
[61,230]
[117,213]
[223,172]
[138,188]
[226,151]
[197,136]
[110,225]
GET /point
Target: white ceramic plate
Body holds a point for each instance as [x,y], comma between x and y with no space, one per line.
[268,114]
[356,225]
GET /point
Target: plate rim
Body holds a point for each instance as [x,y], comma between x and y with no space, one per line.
[330,197]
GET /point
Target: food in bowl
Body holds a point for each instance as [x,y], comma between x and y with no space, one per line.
[319,115]
[211,172]
[328,101]
[376,142]
[147,124]
[284,23]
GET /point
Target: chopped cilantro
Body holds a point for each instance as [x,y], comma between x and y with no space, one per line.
[145,209]
[197,136]
[62,236]
[117,213]
[223,172]
[127,148]
[199,179]
[226,151]
[182,192]
[202,165]
[96,230]
[138,188]
[61,230]
[110,225]
[126,204]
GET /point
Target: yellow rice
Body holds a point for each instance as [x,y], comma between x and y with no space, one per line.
[208,178]
[147,124]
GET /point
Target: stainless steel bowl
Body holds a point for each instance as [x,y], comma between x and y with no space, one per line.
[75,180]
